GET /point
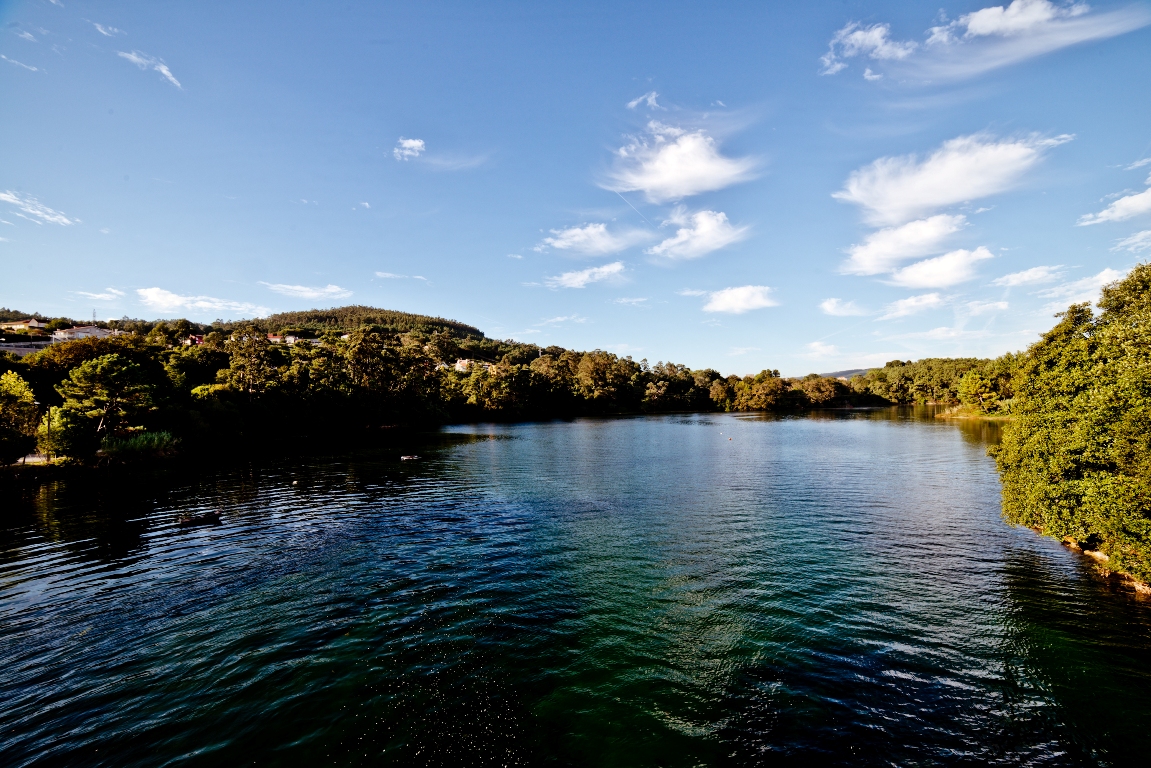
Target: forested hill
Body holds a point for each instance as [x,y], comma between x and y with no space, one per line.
[358,316]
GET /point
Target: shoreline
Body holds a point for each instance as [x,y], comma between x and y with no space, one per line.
[1127,583]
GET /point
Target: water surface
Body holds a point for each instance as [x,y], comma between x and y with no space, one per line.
[678,590]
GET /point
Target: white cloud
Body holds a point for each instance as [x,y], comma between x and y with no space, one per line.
[894,190]
[107,31]
[817,349]
[648,98]
[563,319]
[998,36]
[631,302]
[942,271]
[1022,16]
[1138,164]
[1127,207]
[691,292]
[840,308]
[25,35]
[912,305]
[365,205]
[394,276]
[698,235]
[161,300]
[1140,241]
[406,149]
[671,163]
[738,300]
[19,64]
[1079,291]
[109,294]
[884,250]
[144,61]
[514,256]
[591,240]
[857,40]
[584,277]
[308,292]
[1033,276]
[869,75]
[36,211]
[983,307]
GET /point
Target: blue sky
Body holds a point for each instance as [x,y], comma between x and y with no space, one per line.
[806,187]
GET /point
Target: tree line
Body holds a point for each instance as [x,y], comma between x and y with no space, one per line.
[145,389]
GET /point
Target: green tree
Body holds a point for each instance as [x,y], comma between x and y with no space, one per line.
[110,391]
[18,418]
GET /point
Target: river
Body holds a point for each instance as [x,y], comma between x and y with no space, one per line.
[661,591]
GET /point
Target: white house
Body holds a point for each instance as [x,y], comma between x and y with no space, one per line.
[81,332]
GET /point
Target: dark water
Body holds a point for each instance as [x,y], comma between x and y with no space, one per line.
[683,590]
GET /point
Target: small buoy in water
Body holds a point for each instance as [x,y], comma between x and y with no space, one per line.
[408,458]
[729,438]
[295,482]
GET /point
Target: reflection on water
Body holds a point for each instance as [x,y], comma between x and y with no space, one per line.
[679,590]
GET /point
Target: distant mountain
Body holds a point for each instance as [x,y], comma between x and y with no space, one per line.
[846,374]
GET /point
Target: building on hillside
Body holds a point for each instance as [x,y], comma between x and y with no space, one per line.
[275,338]
[81,332]
[22,347]
[23,325]
[193,340]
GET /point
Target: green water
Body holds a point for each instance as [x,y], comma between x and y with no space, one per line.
[680,590]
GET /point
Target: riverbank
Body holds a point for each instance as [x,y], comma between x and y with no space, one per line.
[1100,562]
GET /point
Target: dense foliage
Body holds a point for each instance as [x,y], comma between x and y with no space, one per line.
[107,394]
[983,385]
[1076,460]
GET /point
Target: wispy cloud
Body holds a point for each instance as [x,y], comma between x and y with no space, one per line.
[671,163]
[28,67]
[1138,164]
[817,349]
[109,294]
[560,320]
[1140,241]
[885,249]
[308,292]
[1126,207]
[894,190]
[394,276]
[584,277]
[981,41]
[33,210]
[840,308]
[699,234]
[873,41]
[1033,276]
[1086,289]
[738,300]
[648,98]
[145,61]
[942,271]
[160,300]
[107,31]
[984,307]
[635,302]
[406,149]
[911,306]
[24,34]
[592,240]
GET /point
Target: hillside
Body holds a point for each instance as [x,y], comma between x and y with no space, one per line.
[357,316]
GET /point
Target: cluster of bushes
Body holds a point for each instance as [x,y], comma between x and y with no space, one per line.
[1076,458]
[145,389]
